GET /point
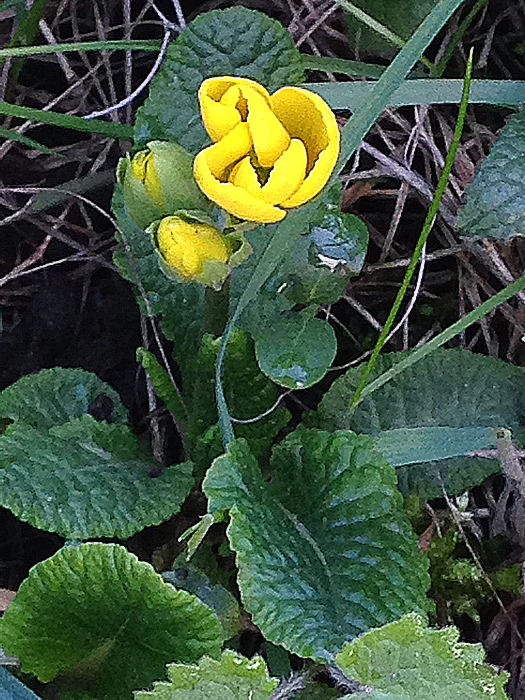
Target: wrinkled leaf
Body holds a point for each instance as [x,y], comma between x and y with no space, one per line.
[325,551]
[408,660]
[233,677]
[109,619]
[495,201]
[450,388]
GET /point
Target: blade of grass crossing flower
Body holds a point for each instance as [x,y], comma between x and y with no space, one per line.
[427,227]
[352,135]
[366,114]
[379,28]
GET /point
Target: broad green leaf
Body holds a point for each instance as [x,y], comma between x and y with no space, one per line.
[297,350]
[97,611]
[180,305]
[401,17]
[406,659]
[322,261]
[12,689]
[218,598]
[451,388]
[325,551]
[495,205]
[56,396]
[86,479]
[233,677]
[237,42]
[249,393]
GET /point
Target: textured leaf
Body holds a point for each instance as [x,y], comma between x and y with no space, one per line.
[495,200]
[449,388]
[55,396]
[12,689]
[408,660]
[248,392]
[297,350]
[324,552]
[400,16]
[97,608]
[218,598]
[161,383]
[207,47]
[181,305]
[234,677]
[86,479]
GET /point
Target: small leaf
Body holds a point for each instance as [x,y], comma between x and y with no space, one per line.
[495,203]
[297,350]
[86,479]
[161,383]
[450,388]
[97,611]
[234,676]
[207,47]
[406,659]
[325,551]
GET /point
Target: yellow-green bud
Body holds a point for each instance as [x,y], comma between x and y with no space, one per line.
[191,250]
[158,181]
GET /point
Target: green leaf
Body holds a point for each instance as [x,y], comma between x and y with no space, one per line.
[451,388]
[12,689]
[180,305]
[161,383]
[97,611]
[234,677]
[249,393]
[218,598]
[210,46]
[325,551]
[56,396]
[406,659]
[297,350]
[401,17]
[494,205]
[86,479]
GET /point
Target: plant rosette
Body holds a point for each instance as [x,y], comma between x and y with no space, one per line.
[158,181]
[190,248]
[270,153]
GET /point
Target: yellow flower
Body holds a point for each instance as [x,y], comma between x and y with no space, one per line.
[190,250]
[271,152]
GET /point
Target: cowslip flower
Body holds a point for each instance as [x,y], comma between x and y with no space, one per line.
[191,250]
[159,180]
[270,152]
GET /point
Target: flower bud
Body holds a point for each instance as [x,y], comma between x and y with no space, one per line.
[191,250]
[158,181]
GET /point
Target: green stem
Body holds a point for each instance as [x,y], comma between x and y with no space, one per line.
[217,309]
[427,227]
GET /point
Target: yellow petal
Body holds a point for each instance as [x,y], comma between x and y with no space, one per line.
[222,155]
[232,199]
[306,116]
[218,114]
[287,175]
[269,137]
[243,175]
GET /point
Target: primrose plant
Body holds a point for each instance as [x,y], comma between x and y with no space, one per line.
[230,231]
